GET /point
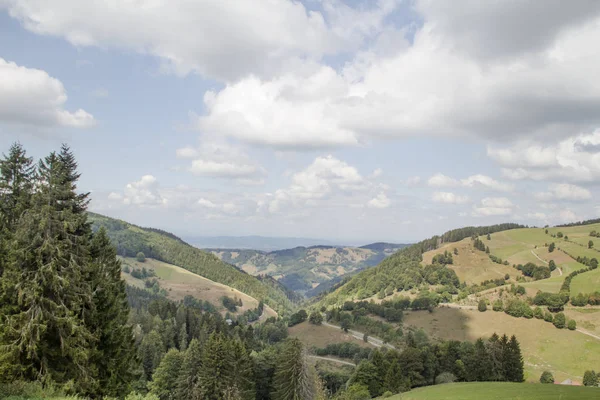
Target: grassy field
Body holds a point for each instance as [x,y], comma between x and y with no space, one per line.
[320,336]
[567,354]
[500,391]
[470,265]
[179,282]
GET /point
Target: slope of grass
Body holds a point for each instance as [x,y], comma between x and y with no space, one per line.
[320,335]
[179,282]
[163,246]
[471,265]
[500,391]
[586,283]
[567,354]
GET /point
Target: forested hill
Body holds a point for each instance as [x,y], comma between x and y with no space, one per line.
[302,269]
[403,271]
[130,239]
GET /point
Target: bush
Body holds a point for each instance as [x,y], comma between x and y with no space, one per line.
[548,317]
[298,317]
[572,325]
[590,378]
[316,318]
[551,247]
[498,306]
[560,320]
[387,394]
[141,257]
[482,306]
[445,377]
[538,313]
[546,377]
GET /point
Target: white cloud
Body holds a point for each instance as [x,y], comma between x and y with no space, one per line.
[219,39]
[324,177]
[449,198]
[537,215]
[487,182]
[564,191]
[114,196]
[473,181]
[575,159]
[441,180]
[143,193]
[493,206]
[381,201]
[376,173]
[31,97]
[568,215]
[218,159]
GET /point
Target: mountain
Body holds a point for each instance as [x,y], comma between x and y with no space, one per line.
[402,270]
[302,269]
[130,239]
[262,243]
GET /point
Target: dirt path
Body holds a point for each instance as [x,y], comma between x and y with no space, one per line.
[545,262]
[588,333]
[333,360]
[359,335]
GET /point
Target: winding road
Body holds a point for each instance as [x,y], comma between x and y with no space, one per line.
[333,360]
[359,335]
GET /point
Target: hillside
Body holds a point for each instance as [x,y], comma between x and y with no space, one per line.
[166,247]
[499,391]
[403,270]
[304,268]
[178,283]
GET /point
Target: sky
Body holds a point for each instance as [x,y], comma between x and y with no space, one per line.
[351,121]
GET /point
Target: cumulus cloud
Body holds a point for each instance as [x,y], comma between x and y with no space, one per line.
[487,182]
[324,177]
[449,198]
[493,206]
[32,97]
[412,181]
[381,201]
[441,180]
[218,159]
[188,35]
[576,159]
[473,181]
[564,191]
[143,193]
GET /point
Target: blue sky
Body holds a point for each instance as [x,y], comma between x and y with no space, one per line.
[349,121]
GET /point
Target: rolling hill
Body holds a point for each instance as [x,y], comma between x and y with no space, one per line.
[499,391]
[304,268]
[163,246]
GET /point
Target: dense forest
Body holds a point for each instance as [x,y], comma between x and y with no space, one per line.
[130,240]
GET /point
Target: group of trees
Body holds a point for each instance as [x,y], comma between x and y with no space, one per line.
[63,307]
[495,359]
[443,258]
[534,271]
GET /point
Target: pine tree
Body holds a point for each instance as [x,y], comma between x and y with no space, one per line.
[164,379]
[293,377]
[45,337]
[214,376]
[514,358]
[188,377]
[151,352]
[17,173]
[183,337]
[107,318]
[241,370]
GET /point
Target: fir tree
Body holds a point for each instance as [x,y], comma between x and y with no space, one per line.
[151,352]
[107,318]
[214,376]
[241,370]
[187,387]
[44,337]
[164,379]
[514,360]
[293,377]
[17,173]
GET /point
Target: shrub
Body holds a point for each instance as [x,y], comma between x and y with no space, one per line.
[548,317]
[572,325]
[141,257]
[560,320]
[316,318]
[538,313]
[482,306]
[546,377]
[551,247]
[498,306]
[445,377]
